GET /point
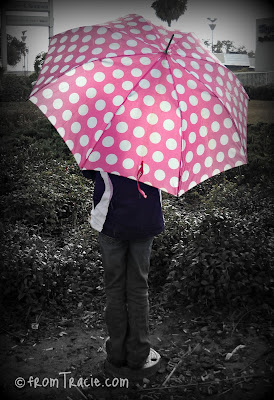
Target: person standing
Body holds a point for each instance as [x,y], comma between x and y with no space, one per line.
[127,216]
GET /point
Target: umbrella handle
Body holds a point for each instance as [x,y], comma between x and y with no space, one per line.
[139,174]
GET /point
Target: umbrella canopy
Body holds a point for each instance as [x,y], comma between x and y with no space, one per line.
[134,99]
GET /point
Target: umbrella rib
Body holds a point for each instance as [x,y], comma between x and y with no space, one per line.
[181,152]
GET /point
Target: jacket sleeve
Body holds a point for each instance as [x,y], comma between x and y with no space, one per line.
[89,174]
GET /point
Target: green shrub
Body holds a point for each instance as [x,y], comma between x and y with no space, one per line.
[14,88]
[39,270]
[227,262]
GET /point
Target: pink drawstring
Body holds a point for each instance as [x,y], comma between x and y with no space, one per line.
[140,173]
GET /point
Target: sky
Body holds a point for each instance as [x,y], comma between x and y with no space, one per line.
[236,20]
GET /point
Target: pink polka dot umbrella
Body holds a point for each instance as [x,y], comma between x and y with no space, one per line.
[133,99]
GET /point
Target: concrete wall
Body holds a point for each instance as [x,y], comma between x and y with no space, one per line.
[256,78]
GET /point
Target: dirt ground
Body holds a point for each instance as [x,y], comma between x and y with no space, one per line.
[202,357]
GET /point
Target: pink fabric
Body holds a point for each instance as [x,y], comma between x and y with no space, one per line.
[118,100]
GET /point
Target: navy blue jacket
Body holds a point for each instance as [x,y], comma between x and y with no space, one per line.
[119,209]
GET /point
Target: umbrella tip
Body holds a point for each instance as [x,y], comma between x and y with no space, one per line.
[169,43]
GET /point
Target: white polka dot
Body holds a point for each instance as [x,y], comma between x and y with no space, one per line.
[97,135]
[118,73]
[215,126]
[180,88]
[168,125]
[183,106]
[127,85]
[155,137]
[177,73]
[61,131]
[84,140]
[173,163]
[149,100]
[206,96]
[91,92]
[224,139]
[67,114]
[81,81]
[219,91]
[74,98]
[111,159]
[125,145]
[171,144]
[205,113]
[207,78]
[193,100]
[189,156]
[196,168]
[99,76]
[212,144]
[57,104]
[185,176]
[145,60]
[70,144]
[159,175]
[235,137]
[218,109]
[122,127]
[161,89]
[126,61]
[200,149]
[208,161]
[108,117]
[232,152]
[221,71]
[152,119]
[109,88]
[128,163]
[135,113]
[228,123]
[117,100]
[219,81]
[191,84]
[108,141]
[101,31]
[94,156]
[192,137]
[142,150]
[165,106]
[52,119]
[100,105]
[92,122]
[155,73]
[136,72]
[47,93]
[194,118]
[138,132]
[184,125]
[195,65]
[157,156]
[75,127]
[220,156]
[85,48]
[203,131]
[174,182]
[80,59]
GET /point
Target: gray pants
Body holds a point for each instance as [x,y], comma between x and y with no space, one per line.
[126,268]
